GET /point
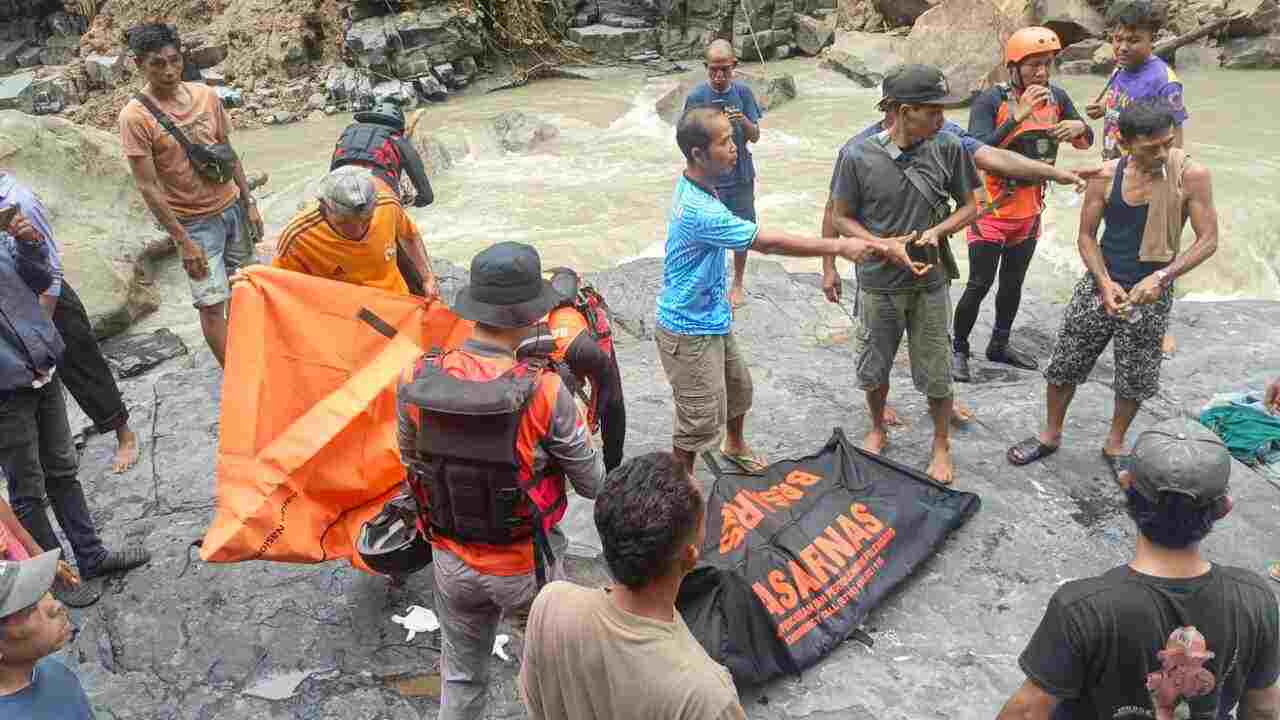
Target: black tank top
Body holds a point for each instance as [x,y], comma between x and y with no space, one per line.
[1122,235]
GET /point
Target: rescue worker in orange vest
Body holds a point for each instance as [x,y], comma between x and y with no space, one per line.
[1030,117]
[353,234]
[490,441]
[578,338]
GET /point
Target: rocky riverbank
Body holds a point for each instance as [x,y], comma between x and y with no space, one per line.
[258,640]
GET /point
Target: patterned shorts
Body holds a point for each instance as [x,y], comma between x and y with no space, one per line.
[1086,330]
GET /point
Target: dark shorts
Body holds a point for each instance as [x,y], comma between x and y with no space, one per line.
[1086,330]
[740,199]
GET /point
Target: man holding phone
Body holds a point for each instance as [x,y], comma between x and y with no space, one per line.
[736,188]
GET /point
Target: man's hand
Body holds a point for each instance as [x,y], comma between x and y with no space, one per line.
[1114,298]
[734,114]
[255,219]
[1088,172]
[1033,97]
[1147,291]
[1066,177]
[67,575]
[895,251]
[194,260]
[23,231]
[48,303]
[1069,130]
[431,286]
[832,285]
[1095,111]
[1272,398]
[927,237]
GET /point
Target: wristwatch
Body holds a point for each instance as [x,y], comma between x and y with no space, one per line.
[1163,277]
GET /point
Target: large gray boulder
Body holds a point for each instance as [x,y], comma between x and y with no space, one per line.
[811,34]
[518,132]
[691,24]
[1252,53]
[863,57]
[410,43]
[614,42]
[253,640]
[966,40]
[1072,20]
[108,238]
[1261,17]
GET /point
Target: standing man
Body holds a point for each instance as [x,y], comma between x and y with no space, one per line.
[199,206]
[708,374]
[490,442]
[1139,75]
[84,370]
[34,626]
[352,235]
[1170,635]
[624,652]
[1127,290]
[896,187]
[1031,118]
[37,452]
[736,186]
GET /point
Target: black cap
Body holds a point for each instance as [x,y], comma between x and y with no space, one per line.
[918,85]
[1181,456]
[507,289]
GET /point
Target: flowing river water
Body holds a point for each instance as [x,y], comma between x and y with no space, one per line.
[597,195]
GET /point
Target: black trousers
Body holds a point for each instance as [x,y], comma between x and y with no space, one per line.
[986,261]
[83,369]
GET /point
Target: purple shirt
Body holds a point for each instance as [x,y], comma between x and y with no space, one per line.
[1154,80]
[13,192]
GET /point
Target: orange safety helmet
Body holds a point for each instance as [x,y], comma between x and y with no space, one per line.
[1030,41]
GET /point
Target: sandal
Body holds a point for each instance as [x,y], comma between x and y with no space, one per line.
[118,561]
[1029,451]
[749,464]
[77,596]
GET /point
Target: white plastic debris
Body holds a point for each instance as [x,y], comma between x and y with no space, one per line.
[417,619]
[500,647]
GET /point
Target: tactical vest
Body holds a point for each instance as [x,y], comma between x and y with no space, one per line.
[1033,138]
[470,473]
[586,312]
[372,146]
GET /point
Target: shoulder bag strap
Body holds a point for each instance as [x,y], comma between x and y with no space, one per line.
[167,123]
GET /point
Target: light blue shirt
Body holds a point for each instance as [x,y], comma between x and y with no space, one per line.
[55,693]
[695,294]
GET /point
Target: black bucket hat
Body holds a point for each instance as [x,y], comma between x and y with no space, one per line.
[507,289]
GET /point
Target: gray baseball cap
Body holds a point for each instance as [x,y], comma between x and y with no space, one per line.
[22,584]
[1181,456]
[349,189]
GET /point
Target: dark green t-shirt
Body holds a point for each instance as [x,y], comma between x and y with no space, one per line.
[1100,639]
[872,184]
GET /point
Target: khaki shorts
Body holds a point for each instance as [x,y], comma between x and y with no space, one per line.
[925,316]
[711,384]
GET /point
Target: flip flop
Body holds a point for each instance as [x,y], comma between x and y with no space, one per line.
[83,595]
[749,464]
[1118,463]
[1029,451]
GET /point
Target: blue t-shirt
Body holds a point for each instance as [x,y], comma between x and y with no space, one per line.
[54,694]
[970,143]
[741,96]
[694,298]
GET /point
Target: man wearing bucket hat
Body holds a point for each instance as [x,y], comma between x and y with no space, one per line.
[1169,628]
[33,626]
[354,233]
[490,442]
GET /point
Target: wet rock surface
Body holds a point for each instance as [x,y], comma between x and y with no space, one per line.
[181,639]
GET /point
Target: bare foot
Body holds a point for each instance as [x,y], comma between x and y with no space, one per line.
[1168,345]
[941,468]
[960,413]
[126,450]
[876,441]
[737,296]
[891,416]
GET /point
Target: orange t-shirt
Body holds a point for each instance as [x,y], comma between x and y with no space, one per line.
[310,245]
[204,121]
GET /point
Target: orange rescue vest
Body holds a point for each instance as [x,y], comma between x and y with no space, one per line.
[1013,199]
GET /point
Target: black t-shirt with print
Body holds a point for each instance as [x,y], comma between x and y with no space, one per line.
[1098,644]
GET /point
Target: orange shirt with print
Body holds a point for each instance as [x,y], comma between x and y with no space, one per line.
[198,113]
[310,245]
